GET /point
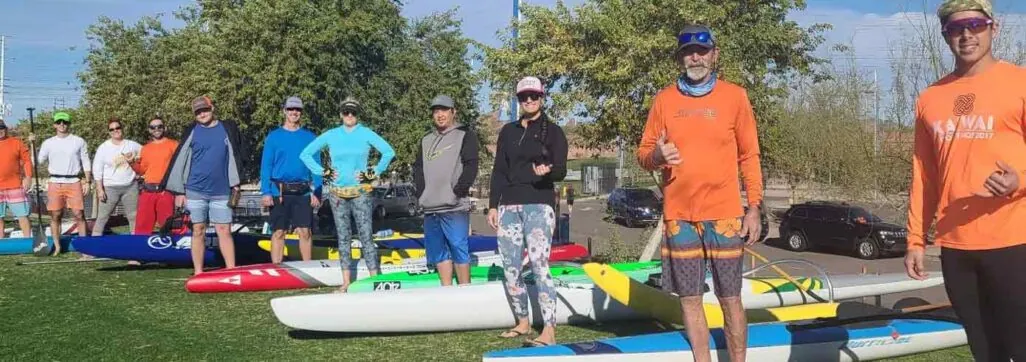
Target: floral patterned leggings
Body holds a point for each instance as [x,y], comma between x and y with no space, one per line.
[528,226]
[360,209]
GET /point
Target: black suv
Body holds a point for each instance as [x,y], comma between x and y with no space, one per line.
[635,206]
[841,227]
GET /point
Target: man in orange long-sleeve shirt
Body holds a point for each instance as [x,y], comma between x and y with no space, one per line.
[698,132]
[155,204]
[967,174]
[15,179]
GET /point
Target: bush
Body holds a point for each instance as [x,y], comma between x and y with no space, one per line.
[617,250]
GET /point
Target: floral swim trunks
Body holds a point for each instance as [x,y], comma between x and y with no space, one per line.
[689,246]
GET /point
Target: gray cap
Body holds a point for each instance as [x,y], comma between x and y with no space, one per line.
[442,101]
[293,102]
[699,35]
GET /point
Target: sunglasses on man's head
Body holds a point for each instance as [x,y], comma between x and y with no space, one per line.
[528,96]
[974,25]
[156,126]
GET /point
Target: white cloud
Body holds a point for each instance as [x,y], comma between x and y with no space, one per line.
[877,38]
[873,36]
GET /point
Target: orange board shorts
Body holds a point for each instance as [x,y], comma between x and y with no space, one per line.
[61,195]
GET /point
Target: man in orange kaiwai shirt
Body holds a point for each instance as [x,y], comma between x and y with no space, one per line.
[967,172]
[698,131]
[15,179]
[155,204]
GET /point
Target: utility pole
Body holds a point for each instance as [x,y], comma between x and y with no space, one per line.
[3,59]
[619,166]
[513,109]
[876,90]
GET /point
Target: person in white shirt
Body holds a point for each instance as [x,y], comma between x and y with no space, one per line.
[67,162]
[115,178]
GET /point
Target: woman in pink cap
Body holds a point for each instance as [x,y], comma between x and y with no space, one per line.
[530,158]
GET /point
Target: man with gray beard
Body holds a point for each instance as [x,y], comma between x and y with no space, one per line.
[700,132]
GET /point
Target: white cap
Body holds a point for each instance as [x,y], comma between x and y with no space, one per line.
[530,84]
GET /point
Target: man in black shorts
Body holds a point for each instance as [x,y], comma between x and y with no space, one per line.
[289,189]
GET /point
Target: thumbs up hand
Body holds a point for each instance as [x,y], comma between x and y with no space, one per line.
[666,152]
[1002,182]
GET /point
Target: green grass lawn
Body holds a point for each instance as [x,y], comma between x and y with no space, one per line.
[107,311]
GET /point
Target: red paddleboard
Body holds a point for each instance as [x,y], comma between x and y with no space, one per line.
[250,278]
[568,252]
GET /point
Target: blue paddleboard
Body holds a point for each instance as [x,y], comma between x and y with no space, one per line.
[779,341]
[169,249]
[15,246]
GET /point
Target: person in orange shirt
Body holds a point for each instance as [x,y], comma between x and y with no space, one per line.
[15,180]
[156,205]
[698,132]
[967,175]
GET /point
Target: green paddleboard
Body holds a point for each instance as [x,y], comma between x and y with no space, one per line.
[562,273]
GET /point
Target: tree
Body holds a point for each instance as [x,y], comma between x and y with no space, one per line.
[608,58]
[248,56]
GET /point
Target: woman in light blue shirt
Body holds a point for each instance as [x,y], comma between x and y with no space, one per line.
[347,183]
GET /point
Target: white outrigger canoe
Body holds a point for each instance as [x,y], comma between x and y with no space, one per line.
[485,306]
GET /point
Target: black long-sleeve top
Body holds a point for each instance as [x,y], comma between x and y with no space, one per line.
[517,151]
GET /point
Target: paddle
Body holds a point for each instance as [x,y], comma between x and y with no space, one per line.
[39,245]
[62,261]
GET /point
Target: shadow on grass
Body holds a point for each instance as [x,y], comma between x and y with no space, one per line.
[301,334]
[619,329]
[628,328]
[143,267]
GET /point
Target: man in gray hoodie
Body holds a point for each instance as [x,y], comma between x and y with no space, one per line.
[445,168]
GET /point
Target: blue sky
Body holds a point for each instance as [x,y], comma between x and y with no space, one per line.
[46,38]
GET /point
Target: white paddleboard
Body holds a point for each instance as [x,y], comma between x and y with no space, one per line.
[328,272]
[469,307]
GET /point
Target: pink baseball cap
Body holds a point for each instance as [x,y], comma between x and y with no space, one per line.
[530,84]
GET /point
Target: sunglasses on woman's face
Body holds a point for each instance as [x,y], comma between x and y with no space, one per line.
[112,129]
[529,97]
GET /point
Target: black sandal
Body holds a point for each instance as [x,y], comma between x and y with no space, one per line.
[535,343]
[516,333]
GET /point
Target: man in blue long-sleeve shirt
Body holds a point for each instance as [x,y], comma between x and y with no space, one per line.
[289,188]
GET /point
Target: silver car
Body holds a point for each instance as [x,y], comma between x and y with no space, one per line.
[395,199]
